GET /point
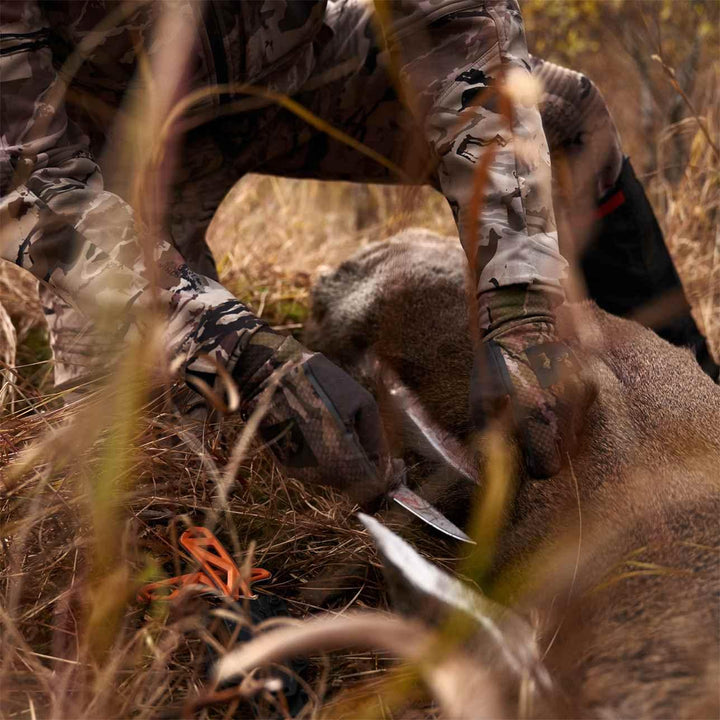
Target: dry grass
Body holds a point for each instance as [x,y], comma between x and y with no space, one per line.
[271,236]
[692,217]
[95,493]
[76,643]
[75,640]
[69,651]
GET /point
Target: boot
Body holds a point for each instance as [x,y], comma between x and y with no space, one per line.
[627,266]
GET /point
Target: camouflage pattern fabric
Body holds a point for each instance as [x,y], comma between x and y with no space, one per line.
[78,351]
[290,46]
[578,125]
[585,148]
[61,225]
[523,368]
[580,131]
[317,421]
[458,75]
[437,123]
[574,115]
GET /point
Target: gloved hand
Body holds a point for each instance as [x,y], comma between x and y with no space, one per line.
[521,366]
[319,423]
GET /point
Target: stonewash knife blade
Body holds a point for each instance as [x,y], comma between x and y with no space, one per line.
[428,513]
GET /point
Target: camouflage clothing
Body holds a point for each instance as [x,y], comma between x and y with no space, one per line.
[580,130]
[606,217]
[446,54]
[439,123]
[435,140]
[575,118]
[60,224]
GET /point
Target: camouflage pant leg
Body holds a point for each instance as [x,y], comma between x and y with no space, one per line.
[73,351]
[332,71]
[359,100]
[76,347]
[579,126]
[461,62]
[204,178]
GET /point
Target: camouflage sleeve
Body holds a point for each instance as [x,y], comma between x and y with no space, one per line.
[59,223]
[455,57]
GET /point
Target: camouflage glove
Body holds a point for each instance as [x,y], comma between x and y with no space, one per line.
[521,366]
[319,423]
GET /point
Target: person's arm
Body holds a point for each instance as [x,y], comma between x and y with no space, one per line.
[460,62]
[61,225]
[58,222]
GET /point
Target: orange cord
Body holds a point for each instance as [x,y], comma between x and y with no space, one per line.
[217,570]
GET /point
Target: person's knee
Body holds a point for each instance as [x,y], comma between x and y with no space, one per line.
[578,126]
[569,101]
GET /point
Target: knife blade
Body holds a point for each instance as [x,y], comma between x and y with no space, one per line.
[428,513]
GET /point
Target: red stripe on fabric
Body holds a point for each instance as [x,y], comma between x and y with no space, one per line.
[612,203]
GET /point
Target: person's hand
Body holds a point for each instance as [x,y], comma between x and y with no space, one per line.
[320,424]
[521,367]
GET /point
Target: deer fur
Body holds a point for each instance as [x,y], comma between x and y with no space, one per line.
[618,556]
